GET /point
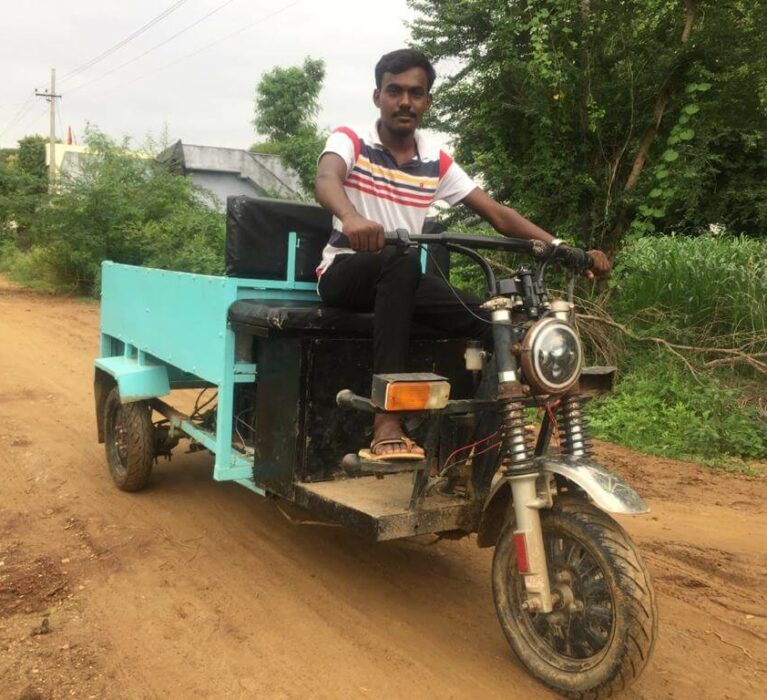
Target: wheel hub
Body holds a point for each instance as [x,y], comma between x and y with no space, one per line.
[580,624]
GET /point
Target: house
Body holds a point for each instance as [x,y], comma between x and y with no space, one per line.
[232,171]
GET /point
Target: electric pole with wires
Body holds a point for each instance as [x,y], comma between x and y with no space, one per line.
[51,97]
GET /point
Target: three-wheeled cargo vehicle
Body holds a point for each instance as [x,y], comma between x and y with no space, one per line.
[286,398]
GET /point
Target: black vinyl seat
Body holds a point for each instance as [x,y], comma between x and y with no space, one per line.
[257,247]
[260,317]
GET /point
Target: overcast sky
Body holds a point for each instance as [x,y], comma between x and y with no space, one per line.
[205,98]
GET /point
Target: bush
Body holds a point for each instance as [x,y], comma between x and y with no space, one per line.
[660,408]
[125,208]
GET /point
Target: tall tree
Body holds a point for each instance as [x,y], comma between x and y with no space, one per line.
[593,117]
[31,159]
[23,189]
[287,103]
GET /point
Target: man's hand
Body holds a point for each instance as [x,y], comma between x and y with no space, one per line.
[364,235]
[601,266]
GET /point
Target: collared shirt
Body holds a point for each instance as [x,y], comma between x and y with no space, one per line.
[393,195]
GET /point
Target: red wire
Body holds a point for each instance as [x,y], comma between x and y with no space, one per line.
[476,454]
[550,408]
[468,447]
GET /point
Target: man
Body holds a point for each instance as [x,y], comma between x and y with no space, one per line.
[383,179]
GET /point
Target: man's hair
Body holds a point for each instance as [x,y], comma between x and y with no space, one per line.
[401,60]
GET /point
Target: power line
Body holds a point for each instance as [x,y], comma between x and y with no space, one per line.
[23,110]
[260,20]
[123,42]
[157,46]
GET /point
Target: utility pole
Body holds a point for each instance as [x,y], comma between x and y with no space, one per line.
[52,96]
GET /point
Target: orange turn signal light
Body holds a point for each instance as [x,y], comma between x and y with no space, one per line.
[410,392]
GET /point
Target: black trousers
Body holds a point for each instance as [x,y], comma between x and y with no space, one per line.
[390,284]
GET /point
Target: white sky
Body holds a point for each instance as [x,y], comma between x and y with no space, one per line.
[204,99]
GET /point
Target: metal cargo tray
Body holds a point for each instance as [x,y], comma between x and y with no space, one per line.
[378,508]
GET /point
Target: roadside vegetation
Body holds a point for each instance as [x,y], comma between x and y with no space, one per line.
[114,206]
[637,127]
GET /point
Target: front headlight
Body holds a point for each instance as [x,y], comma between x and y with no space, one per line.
[552,356]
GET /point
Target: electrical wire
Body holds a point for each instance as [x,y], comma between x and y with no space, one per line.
[466,447]
[455,294]
[153,48]
[197,407]
[105,54]
[261,20]
[23,110]
[471,456]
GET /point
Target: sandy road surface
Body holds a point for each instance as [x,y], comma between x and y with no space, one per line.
[194,589]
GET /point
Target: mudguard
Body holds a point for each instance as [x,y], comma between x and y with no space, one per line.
[136,380]
[609,491]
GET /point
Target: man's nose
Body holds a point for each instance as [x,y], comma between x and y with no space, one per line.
[404,99]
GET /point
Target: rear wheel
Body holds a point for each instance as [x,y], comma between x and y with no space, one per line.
[129,441]
[601,632]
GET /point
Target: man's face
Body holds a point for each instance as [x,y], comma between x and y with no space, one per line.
[403,100]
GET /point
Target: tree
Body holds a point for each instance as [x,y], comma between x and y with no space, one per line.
[31,159]
[594,117]
[23,188]
[287,103]
[124,207]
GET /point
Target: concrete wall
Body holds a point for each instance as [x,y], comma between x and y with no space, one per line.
[266,171]
[223,185]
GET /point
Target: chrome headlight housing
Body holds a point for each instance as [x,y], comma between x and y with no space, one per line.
[552,356]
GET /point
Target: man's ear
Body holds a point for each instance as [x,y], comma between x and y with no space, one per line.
[428,102]
[377,98]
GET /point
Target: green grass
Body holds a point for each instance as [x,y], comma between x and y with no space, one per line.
[694,287]
[660,408]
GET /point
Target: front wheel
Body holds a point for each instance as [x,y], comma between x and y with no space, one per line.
[600,634]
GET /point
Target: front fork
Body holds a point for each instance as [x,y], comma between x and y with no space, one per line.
[527,501]
[530,489]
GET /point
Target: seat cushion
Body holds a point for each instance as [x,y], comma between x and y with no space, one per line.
[256,315]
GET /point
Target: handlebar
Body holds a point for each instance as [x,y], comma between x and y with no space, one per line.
[575,258]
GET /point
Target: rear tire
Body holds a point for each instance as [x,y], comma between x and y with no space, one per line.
[129,441]
[591,653]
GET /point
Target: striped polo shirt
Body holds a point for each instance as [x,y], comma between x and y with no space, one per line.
[396,196]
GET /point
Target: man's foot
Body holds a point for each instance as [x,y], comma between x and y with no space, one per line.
[390,442]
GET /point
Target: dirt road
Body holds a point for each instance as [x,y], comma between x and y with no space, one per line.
[194,589]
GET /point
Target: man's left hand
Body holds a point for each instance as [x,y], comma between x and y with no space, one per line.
[601,266]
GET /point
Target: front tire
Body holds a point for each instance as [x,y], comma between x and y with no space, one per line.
[129,441]
[599,639]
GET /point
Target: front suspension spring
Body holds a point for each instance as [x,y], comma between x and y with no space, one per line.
[575,429]
[517,445]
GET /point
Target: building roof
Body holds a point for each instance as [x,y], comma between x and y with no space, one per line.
[265,171]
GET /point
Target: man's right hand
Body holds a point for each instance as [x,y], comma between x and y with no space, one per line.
[364,235]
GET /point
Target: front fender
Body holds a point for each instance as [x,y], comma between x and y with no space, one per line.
[609,491]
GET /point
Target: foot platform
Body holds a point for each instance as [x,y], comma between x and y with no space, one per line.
[354,465]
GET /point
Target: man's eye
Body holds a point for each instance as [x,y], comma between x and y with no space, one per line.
[394,91]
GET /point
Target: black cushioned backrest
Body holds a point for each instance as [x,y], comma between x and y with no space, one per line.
[257,237]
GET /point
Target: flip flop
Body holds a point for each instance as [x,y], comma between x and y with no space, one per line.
[370,456]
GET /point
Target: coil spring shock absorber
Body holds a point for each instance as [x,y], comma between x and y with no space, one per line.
[516,438]
[575,428]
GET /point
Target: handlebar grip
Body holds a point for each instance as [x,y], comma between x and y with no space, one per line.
[576,258]
[399,237]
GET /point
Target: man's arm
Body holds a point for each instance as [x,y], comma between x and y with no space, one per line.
[511,223]
[363,235]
